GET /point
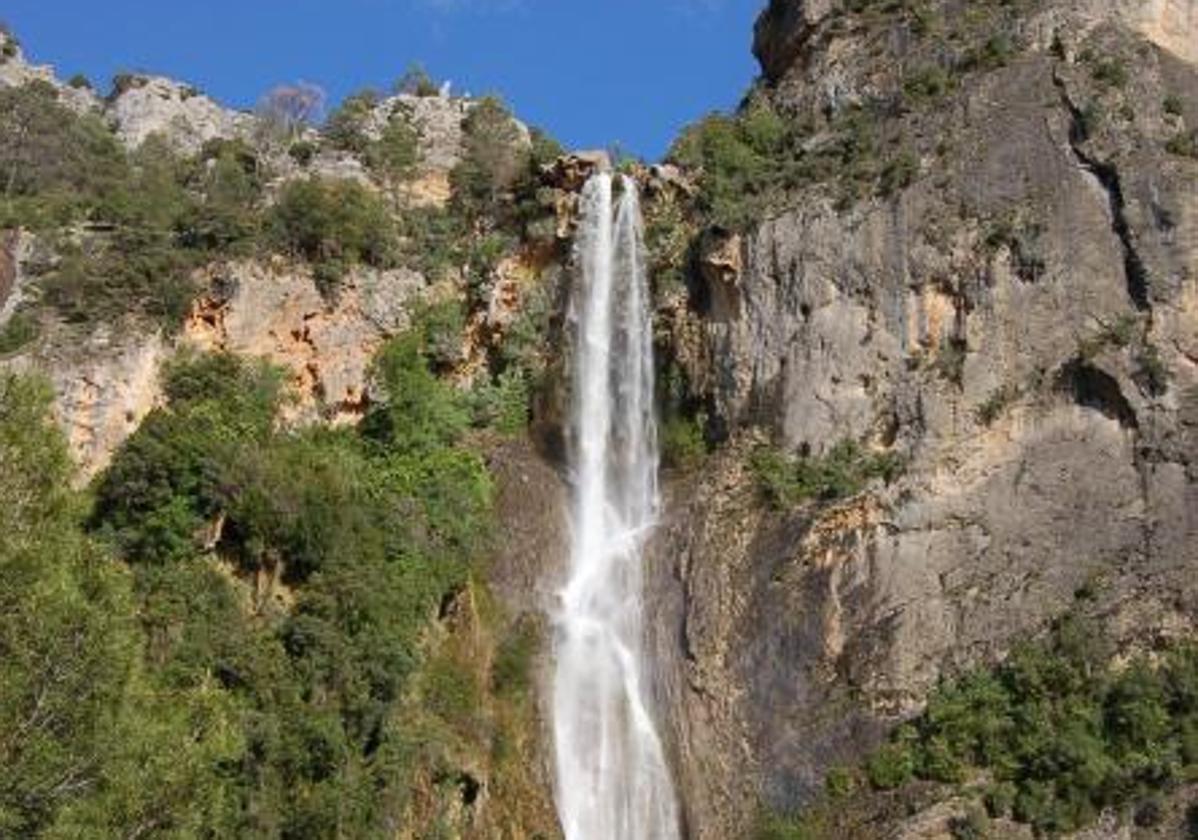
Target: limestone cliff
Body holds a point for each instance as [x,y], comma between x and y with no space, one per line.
[1017,322]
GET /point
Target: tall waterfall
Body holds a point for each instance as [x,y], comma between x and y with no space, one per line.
[612,778]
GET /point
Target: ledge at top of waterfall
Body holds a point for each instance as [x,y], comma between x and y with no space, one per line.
[612,779]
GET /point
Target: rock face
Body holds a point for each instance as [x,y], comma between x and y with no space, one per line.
[16,71]
[275,312]
[145,105]
[105,385]
[1018,324]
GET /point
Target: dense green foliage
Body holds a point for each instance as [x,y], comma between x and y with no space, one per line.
[84,723]
[843,471]
[333,224]
[149,217]
[1059,731]
[255,716]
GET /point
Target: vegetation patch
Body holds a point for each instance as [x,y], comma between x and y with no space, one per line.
[1061,733]
[843,471]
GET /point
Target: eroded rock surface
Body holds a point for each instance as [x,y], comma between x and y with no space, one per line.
[1017,324]
[146,105]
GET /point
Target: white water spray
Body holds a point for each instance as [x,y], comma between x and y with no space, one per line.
[612,778]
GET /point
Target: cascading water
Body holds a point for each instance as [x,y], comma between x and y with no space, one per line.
[612,778]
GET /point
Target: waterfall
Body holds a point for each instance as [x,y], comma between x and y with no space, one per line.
[612,778]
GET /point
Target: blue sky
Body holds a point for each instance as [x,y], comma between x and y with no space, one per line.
[591,73]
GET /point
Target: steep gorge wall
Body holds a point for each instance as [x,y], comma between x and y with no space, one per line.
[1044,456]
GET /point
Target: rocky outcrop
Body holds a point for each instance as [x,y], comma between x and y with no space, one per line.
[146,105]
[104,384]
[1017,324]
[273,311]
[15,71]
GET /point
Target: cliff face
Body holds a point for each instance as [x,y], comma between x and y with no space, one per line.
[1017,323]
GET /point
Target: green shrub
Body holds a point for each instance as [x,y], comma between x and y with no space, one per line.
[493,159]
[416,82]
[165,482]
[20,330]
[49,151]
[1111,72]
[999,400]
[1090,119]
[395,154]
[1151,372]
[80,82]
[345,128]
[504,405]
[1172,105]
[973,825]
[950,359]
[841,472]
[891,766]
[738,161]
[511,672]
[433,241]
[1183,144]
[302,152]
[840,782]
[421,411]
[683,442]
[1119,333]
[926,82]
[1062,736]
[334,224]
[784,827]
[372,531]
[898,173]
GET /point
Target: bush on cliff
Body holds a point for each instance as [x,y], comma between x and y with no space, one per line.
[492,159]
[843,471]
[368,533]
[1061,733]
[334,224]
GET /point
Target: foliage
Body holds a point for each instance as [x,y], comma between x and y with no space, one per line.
[84,723]
[1183,144]
[416,82]
[333,224]
[1111,72]
[739,160]
[926,82]
[843,471]
[395,154]
[493,159]
[164,484]
[1151,372]
[503,404]
[371,530]
[788,827]
[68,162]
[512,671]
[345,128]
[151,217]
[997,402]
[950,359]
[1119,333]
[19,331]
[1063,735]
[683,442]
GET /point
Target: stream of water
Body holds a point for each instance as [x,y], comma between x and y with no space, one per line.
[613,782]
